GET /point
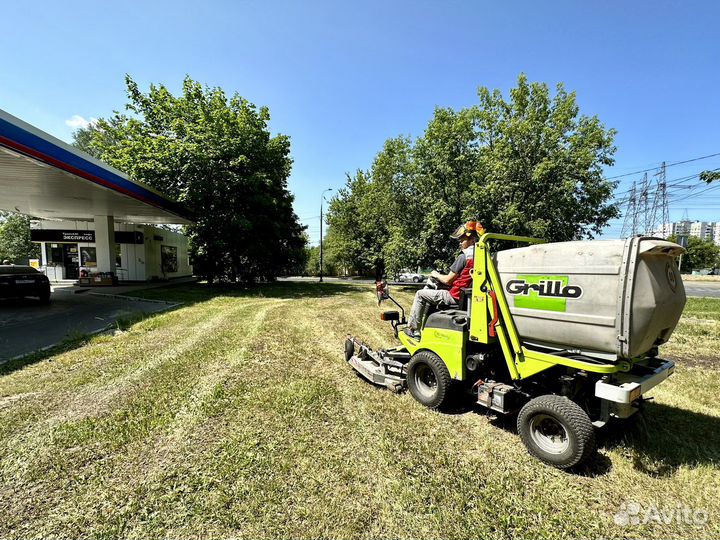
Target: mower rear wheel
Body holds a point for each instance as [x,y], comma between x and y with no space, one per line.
[556,431]
[428,379]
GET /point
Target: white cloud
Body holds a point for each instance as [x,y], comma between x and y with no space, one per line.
[78,121]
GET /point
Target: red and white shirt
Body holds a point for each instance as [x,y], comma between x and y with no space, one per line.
[462,267]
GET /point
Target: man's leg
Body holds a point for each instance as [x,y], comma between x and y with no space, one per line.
[425,298]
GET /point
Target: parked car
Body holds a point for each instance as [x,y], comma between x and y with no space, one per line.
[407,275]
[18,281]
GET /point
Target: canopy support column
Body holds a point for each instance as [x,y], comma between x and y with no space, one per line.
[105,243]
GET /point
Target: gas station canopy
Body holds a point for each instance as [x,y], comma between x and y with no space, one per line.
[42,176]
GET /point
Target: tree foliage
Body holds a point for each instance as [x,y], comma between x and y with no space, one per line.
[217,156]
[709,176]
[701,253]
[312,266]
[83,140]
[15,244]
[355,237]
[529,165]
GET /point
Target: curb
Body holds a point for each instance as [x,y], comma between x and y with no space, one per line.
[135,298]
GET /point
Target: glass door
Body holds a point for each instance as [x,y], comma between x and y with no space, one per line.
[71,261]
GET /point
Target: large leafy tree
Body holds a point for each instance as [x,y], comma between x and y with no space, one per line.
[527,165]
[354,235]
[312,266]
[701,253]
[216,155]
[15,244]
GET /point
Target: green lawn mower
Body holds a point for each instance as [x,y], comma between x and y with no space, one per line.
[565,334]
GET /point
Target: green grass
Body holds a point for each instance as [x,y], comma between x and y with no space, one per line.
[696,341]
[236,415]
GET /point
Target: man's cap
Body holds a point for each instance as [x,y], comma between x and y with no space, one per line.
[471,228]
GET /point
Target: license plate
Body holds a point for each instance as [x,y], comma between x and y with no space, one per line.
[25,281]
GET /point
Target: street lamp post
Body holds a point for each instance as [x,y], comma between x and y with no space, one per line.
[322,198]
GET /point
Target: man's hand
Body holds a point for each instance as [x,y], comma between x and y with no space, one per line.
[447,279]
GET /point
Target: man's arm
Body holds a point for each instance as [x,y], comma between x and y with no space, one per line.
[455,270]
[447,279]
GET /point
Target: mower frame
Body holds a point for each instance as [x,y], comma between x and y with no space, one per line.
[562,385]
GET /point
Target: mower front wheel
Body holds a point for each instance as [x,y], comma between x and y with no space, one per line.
[428,379]
[557,431]
[349,349]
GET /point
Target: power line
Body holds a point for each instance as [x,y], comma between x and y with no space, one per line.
[676,182]
[667,165]
[711,188]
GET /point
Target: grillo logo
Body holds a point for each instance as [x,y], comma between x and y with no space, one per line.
[546,288]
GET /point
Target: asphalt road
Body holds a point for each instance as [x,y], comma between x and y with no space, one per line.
[702,288]
[27,326]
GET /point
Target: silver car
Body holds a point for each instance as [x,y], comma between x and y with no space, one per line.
[407,275]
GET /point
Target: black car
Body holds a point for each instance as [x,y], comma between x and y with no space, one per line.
[17,281]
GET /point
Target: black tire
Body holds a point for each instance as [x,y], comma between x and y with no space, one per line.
[556,431]
[45,298]
[349,349]
[428,379]
[416,279]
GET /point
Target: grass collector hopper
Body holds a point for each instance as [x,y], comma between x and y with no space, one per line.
[564,334]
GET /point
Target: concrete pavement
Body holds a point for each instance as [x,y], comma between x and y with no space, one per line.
[27,326]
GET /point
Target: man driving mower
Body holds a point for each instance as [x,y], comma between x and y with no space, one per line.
[459,277]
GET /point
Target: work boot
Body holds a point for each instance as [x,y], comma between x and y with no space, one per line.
[414,334]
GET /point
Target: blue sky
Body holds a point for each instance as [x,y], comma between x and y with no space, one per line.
[341,77]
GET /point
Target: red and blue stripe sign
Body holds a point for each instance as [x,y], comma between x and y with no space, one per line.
[21,140]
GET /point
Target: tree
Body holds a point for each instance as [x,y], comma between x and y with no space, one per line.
[217,156]
[83,140]
[700,254]
[529,165]
[312,267]
[336,256]
[353,224]
[15,244]
[709,176]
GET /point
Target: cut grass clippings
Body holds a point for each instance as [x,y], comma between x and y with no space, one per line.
[236,416]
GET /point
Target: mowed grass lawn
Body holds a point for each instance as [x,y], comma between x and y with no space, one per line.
[235,415]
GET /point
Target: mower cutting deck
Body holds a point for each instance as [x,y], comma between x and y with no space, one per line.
[383,367]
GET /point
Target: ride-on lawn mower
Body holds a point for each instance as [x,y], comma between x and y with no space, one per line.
[565,333]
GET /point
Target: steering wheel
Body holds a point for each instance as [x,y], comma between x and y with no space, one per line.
[432,283]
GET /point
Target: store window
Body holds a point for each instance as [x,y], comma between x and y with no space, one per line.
[168,259]
[118,256]
[53,254]
[88,257]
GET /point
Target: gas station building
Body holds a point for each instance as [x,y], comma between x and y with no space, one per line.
[90,219]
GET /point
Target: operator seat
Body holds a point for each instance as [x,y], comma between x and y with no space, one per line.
[464,301]
[452,317]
